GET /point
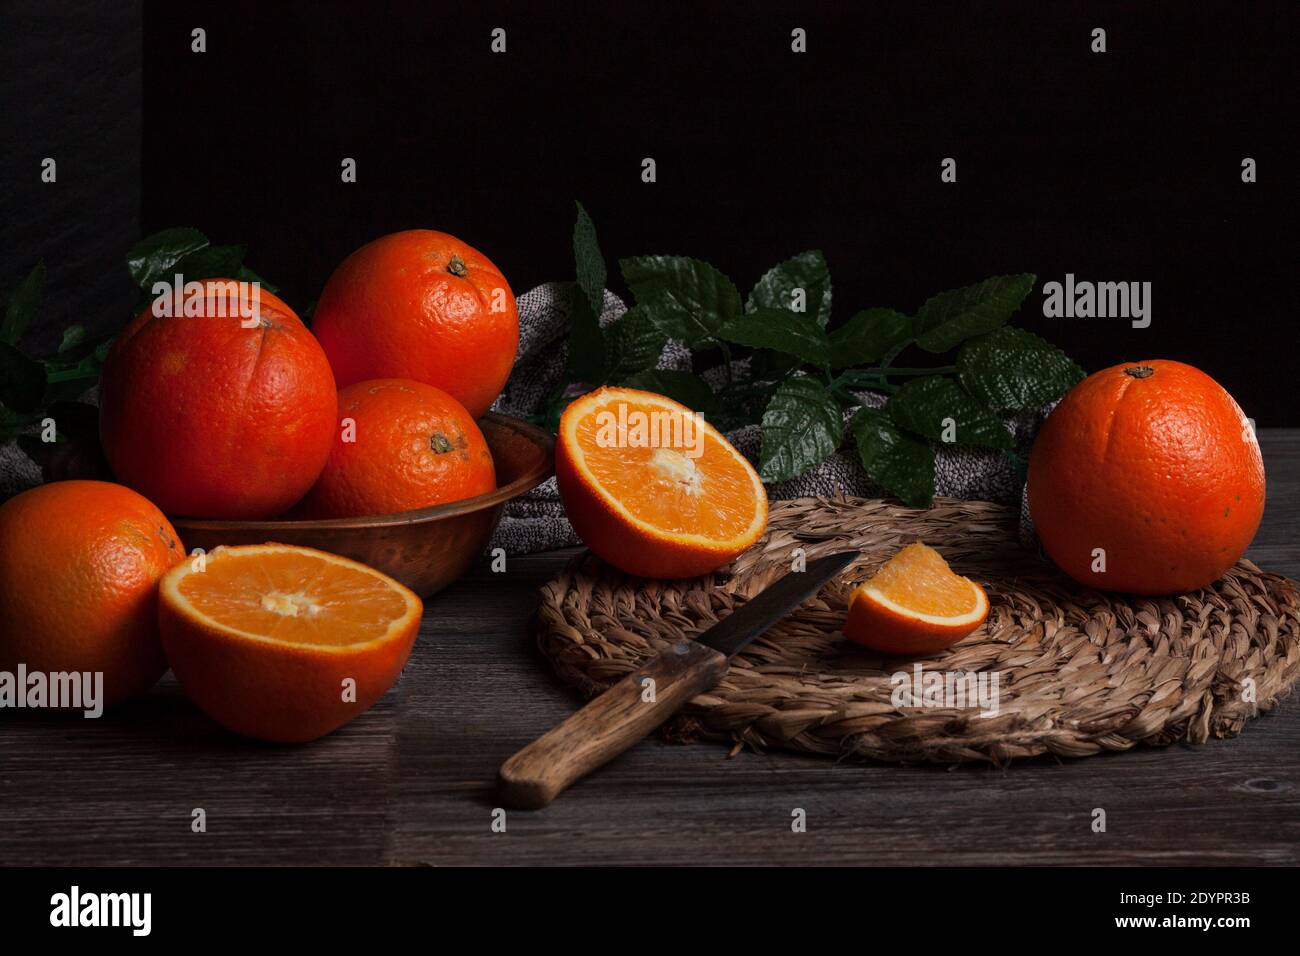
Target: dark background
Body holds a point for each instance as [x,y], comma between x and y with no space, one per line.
[1123,166]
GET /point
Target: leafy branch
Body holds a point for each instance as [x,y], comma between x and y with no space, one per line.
[802,377]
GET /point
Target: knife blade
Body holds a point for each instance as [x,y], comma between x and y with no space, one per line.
[733,633]
[640,702]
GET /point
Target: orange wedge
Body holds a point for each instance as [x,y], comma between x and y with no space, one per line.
[654,489]
[284,643]
[915,604]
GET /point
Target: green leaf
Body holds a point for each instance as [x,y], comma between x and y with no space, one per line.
[782,331]
[586,361]
[693,392]
[71,372]
[78,362]
[952,317]
[73,336]
[868,336]
[771,366]
[685,387]
[1011,369]
[154,258]
[807,271]
[632,343]
[68,388]
[802,427]
[210,262]
[589,260]
[742,401]
[24,302]
[687,299]
[939,409]
[22,380]
[899,463]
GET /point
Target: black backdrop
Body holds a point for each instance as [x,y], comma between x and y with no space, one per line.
[1123,166]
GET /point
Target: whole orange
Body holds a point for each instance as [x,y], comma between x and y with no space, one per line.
[210,418]
[1147,478]
[421,305]
[401,445]
[79,569]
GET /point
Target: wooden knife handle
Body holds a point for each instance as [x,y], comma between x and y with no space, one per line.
[609,725]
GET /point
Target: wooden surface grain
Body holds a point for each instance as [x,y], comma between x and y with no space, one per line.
[411,782]
[606,726]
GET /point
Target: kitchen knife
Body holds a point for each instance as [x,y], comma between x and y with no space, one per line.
[633,707]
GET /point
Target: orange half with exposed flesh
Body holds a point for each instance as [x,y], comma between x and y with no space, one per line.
[284,643]
[654,489]
[915,604]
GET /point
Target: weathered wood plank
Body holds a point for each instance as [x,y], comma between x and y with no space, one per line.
[411,781]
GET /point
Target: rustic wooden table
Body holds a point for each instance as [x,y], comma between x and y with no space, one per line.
[410,782]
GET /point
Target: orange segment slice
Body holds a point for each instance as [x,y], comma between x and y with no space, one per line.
[284,643]
[654,489]
[915,604]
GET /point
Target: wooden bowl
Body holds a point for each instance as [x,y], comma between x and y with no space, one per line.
[426,549]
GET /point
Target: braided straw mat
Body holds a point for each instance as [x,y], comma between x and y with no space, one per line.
[1079,671]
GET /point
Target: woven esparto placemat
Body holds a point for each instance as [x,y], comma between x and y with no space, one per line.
[1079,671]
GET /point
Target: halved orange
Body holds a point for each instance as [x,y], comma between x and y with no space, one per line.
[284,643]
[654,489]
[915,604]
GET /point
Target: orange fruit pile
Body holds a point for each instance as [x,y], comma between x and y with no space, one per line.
[210,415]
[1147,478]
[915,604]
[79,569]
[401,445]
[284,643]
[224,405]
[654,489]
